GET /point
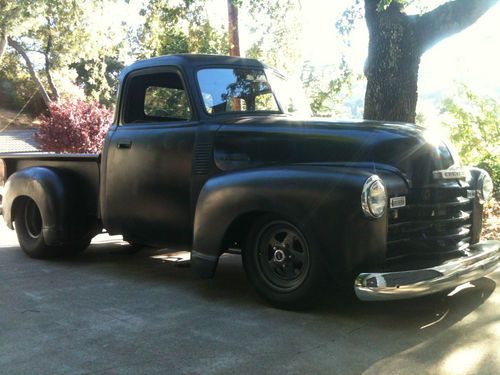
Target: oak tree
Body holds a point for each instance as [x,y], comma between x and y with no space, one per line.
[397,42]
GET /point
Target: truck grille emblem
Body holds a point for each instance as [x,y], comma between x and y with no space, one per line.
[397,202]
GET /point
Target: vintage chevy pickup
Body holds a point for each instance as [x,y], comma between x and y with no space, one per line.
[217,153]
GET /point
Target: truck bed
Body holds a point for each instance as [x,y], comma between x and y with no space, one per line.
[85,167]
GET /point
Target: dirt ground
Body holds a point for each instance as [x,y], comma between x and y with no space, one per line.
[11,120]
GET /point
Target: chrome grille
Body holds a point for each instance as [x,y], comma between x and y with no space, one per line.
[436,222]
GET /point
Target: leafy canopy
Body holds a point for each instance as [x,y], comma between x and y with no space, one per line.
[474,123]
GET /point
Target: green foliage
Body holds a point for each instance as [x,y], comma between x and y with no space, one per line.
[99,77]
[276,30]
[166,102]
[16,86]
[179,27]
[61,36]
[17,16]
[474,123]
[326,94]
[63,33]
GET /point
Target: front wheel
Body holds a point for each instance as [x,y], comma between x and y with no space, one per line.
[282,262]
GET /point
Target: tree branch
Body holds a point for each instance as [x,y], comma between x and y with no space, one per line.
[448,19]
[19,49]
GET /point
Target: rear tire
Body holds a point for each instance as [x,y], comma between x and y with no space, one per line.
[29,223]
[75,248]
[283,263]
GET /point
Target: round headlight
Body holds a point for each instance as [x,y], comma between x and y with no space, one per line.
[373,197]
[485,187]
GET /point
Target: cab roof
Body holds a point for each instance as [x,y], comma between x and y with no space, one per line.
[191,61]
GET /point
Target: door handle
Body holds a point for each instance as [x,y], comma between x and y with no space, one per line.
[124,143]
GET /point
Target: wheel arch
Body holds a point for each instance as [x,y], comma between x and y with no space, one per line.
[237,231]
[320,200]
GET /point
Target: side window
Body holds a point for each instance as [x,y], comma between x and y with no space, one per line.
[156,97]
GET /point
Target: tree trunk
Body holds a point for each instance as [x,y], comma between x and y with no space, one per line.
[3,44]
[392,66]
[53,88]
[19,49]
[397,42]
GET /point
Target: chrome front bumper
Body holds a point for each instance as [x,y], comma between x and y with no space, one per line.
[484,258]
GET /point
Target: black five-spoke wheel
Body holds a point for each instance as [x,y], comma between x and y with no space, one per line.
[282,255]
[282,262]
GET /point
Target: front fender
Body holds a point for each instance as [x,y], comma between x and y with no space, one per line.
[59,198]
[323,201]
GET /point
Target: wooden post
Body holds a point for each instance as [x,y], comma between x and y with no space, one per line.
[234,39]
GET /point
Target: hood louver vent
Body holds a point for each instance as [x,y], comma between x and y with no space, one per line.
[201,161]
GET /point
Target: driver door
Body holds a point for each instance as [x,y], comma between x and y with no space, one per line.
[149,159]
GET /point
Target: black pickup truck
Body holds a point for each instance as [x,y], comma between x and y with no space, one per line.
[217,153]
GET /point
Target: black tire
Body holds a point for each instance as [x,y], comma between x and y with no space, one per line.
[29,223]
[283,263]
[75,248]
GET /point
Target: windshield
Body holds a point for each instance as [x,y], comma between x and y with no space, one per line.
[226,90]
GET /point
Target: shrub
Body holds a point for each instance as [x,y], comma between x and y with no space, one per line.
[74,126]
[474,122]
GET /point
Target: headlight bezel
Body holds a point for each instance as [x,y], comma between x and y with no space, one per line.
[367,195]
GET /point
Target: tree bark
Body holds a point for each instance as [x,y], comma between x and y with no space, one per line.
[392,65]
[397,42]
[53,88]
[19,49]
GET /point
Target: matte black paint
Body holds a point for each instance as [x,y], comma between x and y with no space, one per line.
[189,182]
[67,201]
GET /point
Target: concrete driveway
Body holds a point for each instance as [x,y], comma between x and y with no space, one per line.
[111,312]
[18,140]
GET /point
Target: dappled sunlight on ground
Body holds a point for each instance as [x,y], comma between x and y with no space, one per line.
[464,360]
[458,344]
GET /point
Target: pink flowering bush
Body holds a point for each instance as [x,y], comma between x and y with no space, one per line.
[74,126]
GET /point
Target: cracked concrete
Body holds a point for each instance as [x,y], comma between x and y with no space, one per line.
[109,312]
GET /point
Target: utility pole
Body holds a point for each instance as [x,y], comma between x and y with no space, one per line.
[234,39]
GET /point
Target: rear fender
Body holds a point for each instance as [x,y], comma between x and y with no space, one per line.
[60,197]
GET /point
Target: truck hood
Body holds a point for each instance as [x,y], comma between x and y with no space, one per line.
[270,140]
